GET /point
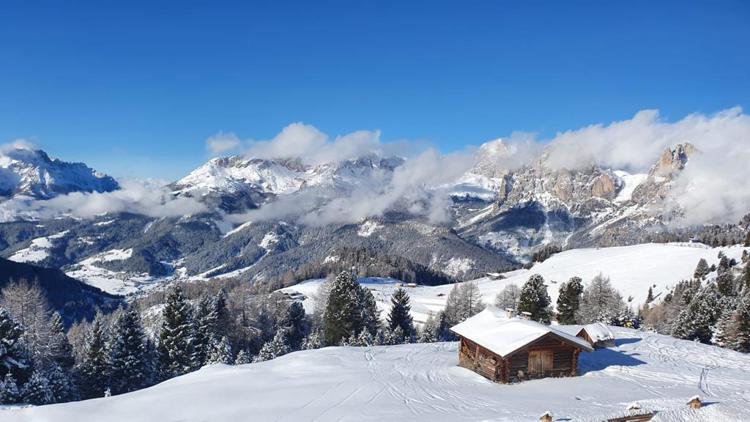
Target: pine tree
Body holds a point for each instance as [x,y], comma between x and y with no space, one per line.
[369,315]
[274,348]
[13,355]
[364,339]
[61,384]
[429,330]
[314,340]
[650,295]
[535,299]
[508,297]
[569,300]
[725,281]
[205,330]
[221,352]
[295,325]
[9,392]
[222,315]
[701,270]
[37,390]
[400,314]
[600,302]
[243,358]
[60,350]
[746,278]
[342,317]
[128,355]
[697,321]
[93,372]
[176,337]
[739,327]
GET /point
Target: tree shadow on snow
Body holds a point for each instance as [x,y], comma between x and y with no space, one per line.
[603,358]
[620,341]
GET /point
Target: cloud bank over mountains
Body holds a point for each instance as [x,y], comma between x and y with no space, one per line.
[713,188]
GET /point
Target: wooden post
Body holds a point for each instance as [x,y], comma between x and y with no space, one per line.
[574,366]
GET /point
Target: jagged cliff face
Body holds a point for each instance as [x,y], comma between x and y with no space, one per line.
[580,207]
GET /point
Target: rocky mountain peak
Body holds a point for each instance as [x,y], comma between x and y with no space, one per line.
[673,160]
[31,172]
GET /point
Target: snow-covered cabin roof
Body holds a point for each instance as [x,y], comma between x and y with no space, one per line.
[598,332]
[493,330]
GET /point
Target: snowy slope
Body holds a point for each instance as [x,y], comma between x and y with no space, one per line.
[423,382]
[631,269]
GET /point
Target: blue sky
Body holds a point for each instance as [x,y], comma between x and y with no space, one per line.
[135,88]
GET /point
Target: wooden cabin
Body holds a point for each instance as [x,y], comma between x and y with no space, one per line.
[598,335]
[508,350]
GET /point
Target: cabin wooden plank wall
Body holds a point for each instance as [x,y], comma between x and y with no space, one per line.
[547,357]
[480,360]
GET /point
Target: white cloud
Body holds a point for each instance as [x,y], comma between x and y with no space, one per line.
[150,198]
[222,143]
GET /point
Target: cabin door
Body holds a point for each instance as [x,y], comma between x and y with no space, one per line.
[540,361]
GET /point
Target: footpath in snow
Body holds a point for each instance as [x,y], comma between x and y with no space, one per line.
[423,382]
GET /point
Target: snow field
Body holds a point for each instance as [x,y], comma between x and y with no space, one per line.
[423,382]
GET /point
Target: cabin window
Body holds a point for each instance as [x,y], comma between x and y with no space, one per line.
[540,361]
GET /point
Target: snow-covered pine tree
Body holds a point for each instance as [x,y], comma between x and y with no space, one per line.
[243,357]
[9,391]
[93,371]
[400,313]
[535,299]
[274,348]
[725,281]
[223,316]
[569,300]
[205,330]
[28,305]
[701,270]
[508,297]
[13,355]
[314,340]
[746,278]
[128,355]
[697,321]
[600,302]
[221,352]
[37,390]
[60,350]
[364,339]
[342,317]
[61,384]
[650,295]
[176,336]
[296,325]
[429,330]
[369,315]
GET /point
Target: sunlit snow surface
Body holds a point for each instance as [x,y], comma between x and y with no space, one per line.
[631,269]
[422,382]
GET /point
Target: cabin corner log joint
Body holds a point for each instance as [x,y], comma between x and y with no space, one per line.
[512,350]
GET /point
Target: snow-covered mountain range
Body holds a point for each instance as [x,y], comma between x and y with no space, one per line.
[32,173]
[283,220]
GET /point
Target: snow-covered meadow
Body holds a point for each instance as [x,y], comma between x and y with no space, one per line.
[631,269]
[423,382]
